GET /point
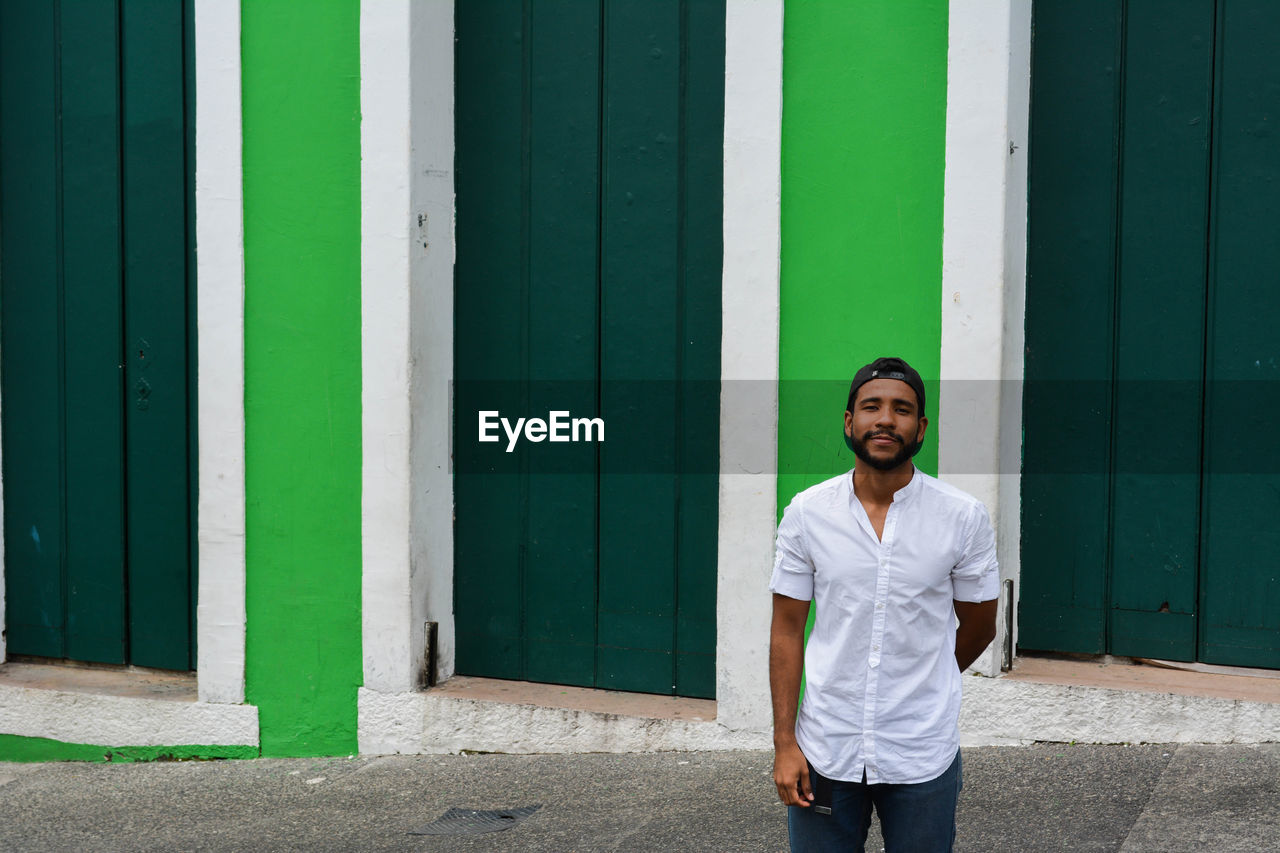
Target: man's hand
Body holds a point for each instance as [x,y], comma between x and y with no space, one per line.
[786,662]
[791,775]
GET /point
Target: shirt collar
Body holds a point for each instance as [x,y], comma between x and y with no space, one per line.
[903,495]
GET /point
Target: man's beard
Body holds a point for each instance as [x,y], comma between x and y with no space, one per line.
[905,451]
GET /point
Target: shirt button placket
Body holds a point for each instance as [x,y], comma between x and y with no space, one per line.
[877,639]
[882,573]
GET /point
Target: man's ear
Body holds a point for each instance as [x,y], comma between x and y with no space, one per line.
[924,423]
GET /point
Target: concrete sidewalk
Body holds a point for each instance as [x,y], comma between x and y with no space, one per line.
[1030,798]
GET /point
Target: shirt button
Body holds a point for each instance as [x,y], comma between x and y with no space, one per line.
[879,607]
[875,648]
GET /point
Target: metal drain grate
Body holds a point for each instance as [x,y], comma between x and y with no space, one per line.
[474,822]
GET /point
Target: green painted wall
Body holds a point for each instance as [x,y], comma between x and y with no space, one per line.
[301,85]
[863,137]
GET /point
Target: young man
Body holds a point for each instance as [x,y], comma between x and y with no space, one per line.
[888,555]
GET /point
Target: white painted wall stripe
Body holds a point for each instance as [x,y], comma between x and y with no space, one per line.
[384,270]
[406,140]
[431,306]
[1009,519]
[983,262]
[749,359]
[220,612]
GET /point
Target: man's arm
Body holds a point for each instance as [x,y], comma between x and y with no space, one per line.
[786,662]
[975,631]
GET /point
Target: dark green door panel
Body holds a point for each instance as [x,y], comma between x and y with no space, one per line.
[1159,327]
[489,335]
[1070,273]
[1173,334]
[95,186]
[94,472]
[1240,573]
[559,584]
[639,347]
[698,437]
[33,464]
[588,277]
[155,332]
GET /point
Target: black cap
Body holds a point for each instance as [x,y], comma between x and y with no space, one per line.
[887,368]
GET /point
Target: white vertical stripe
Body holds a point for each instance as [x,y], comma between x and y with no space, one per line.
[384,343]
[984,261]
[220,612]
[749,358]
[406,267]
[431,190]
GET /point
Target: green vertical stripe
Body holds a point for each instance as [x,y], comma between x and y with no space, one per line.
[863,136]
[301,84]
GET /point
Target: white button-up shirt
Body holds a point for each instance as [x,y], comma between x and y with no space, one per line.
[882,689]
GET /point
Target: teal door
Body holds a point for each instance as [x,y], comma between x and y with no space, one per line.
[589,190]
[1150,487]
[97,366]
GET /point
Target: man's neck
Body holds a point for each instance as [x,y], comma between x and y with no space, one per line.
[872,485]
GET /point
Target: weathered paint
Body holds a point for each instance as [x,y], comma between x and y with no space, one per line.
[995,711]
[748,358]
[300,68]
[406,79]
[984,267]
[387,253]
[103,718]
[28,749]
[864,117]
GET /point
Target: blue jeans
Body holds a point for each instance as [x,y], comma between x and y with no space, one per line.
[917,818]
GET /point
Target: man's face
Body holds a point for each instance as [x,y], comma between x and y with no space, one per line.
[884,425]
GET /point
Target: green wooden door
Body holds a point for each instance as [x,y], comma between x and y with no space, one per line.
[97,359]
[589,152]
[1147,508]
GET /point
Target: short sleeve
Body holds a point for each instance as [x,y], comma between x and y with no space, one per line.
[792,565]
[976,576]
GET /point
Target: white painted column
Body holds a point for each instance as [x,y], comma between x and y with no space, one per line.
[431,310]
[406,141]
[984,264]
[220,609]
[386,420]
[749,360]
